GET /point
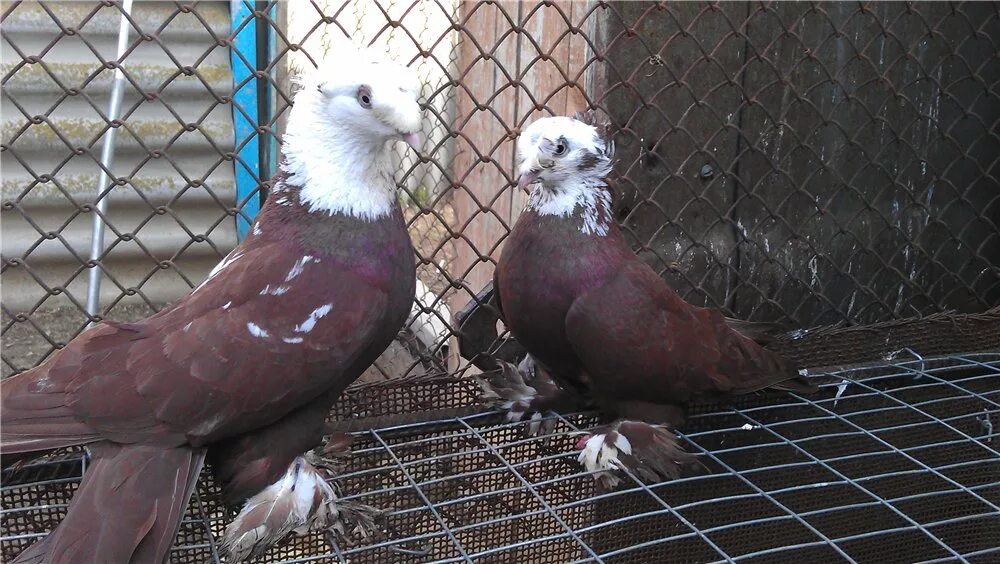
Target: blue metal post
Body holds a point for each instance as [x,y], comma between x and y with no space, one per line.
[243,59]
[272,99]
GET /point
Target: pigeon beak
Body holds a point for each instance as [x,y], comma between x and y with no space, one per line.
[413,140]
[527,179]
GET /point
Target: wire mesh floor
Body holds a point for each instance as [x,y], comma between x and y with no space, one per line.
[887,463]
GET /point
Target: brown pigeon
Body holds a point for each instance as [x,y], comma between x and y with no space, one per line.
[247,365]
[601,322]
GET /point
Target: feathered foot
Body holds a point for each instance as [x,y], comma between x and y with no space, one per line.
[300,501]
[651,452]
[521,390]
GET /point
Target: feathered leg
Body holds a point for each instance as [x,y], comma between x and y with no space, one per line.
[299,502]
[247,464]
[651,452]
[279,489]
[128,507]
[527,391]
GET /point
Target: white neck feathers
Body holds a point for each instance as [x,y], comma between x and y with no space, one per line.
[590,196]
[338,170]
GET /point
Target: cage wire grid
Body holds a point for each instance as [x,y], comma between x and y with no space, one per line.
[892,462]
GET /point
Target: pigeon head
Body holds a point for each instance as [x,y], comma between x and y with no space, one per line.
[375,98]
[562,152]
[336,147]
[371,98]
[568,159]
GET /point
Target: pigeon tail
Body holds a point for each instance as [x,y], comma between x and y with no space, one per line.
[127,509]
[798,384]
[761,332]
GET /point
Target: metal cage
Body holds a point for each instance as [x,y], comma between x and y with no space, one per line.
[831,167]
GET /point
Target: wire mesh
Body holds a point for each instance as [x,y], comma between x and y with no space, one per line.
[894,462]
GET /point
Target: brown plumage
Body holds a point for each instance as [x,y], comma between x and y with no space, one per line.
[247,364]
[601,321]
[138,478]
[225,367]
[526,389]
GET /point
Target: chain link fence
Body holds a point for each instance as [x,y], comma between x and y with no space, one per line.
[810,164]
[831,167]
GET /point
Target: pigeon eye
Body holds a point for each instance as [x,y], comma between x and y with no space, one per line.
[365,97]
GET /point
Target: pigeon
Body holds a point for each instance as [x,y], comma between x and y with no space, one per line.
[243,369]
[513,381]
[601,322]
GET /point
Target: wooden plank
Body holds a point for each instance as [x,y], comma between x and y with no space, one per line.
[481,120]
[500,70]
[551,64]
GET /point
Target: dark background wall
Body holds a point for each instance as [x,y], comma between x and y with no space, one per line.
[811,163]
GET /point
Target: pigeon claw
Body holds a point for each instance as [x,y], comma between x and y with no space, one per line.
[357,523]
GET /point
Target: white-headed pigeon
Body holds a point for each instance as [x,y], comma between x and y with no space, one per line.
[601,322]
[245,368]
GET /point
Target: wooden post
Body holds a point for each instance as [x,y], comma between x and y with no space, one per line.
[517,62]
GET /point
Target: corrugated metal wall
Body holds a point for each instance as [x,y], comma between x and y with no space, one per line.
[180,187]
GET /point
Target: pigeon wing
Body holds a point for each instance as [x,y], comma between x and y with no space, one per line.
[639,341]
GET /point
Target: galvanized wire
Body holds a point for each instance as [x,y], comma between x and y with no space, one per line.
[897,465]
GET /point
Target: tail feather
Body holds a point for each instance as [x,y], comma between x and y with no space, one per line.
[765,369]
[128,507]
[799,384]
[34,416]
[761,332]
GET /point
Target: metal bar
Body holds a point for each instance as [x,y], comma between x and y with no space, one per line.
[965,556]
[206,522]
[870,493]
[96,271]
[777,503]
[246,116]
[461,429]
[423,496]
[662,502]
[951,384]
[533,491]
[972,440]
